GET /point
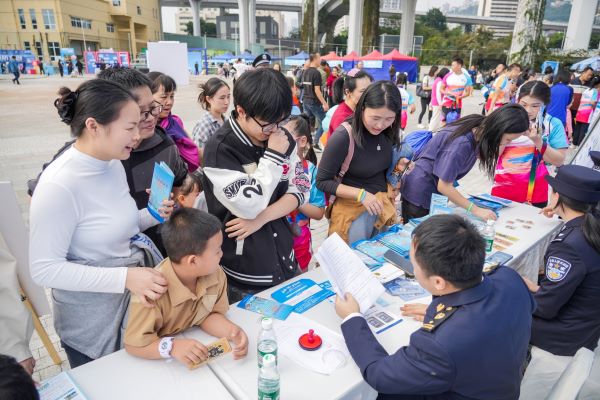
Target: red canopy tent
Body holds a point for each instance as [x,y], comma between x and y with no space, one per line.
[402,63]
[331,56]
[374,55]
[352,56]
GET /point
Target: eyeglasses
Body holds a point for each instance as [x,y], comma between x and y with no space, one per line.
[270,127]
[154,111]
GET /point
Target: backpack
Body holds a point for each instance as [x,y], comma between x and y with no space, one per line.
[417,141]
[343,168]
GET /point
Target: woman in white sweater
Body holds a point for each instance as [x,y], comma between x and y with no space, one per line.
[83,220]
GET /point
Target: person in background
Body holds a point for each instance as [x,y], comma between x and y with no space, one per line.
[214,98]
[363,204]
[473,73]
[587,105]
[197,295]
[163,92]
[79,66]
[455,86]
[561,97]
[504,87]
[567,317]
[408,101]
[526,157]
[295,102]
[360,65]
[435,122]
[452,153]
[240,68]
[85,241]
[585,78]
[299,127]
[426,95]
[196,68]
[60,68]
[190,191]
[15,382]
[313,102]
[277,67]
[440,362]
[13,68]
[392,73]
[330,79]
[350,87]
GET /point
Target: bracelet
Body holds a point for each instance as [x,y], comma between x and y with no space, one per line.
[470,208]
[360,194]
[363,195]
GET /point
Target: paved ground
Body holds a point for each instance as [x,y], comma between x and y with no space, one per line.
[31,132]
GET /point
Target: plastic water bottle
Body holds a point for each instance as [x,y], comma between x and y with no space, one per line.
[267,341]
[489,233]
[268,379]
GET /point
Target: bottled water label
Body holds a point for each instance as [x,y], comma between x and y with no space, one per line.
[266,347]
[268,389]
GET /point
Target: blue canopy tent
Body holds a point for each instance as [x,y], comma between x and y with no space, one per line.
[245,56]
[593,62]
[225,57]
[297,59]
[402,63]
[350,60]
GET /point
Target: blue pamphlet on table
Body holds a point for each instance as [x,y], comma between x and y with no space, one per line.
[302,295]
[266,307]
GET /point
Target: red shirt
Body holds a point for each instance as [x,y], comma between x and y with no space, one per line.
[339,116]
[330,80]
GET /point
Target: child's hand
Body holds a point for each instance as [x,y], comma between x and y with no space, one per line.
[346,305]
[189,351]
[240,343]
[415,310]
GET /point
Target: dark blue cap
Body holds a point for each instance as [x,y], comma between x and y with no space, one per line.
[576,182]
[262,59]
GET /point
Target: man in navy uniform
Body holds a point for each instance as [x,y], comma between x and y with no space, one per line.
[567,316]
[475,334]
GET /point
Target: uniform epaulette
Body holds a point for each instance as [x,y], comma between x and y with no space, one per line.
[443,313]
[562,234]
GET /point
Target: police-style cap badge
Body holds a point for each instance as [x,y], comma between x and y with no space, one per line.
[262,60]
[576,182]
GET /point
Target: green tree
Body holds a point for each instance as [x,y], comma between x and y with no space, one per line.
[370,28]
[555,40]
[206,28]
[435,19]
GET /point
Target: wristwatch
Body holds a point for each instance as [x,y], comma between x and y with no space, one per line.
[165,346]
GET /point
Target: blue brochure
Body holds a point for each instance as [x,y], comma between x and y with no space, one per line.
[302,295]
[266,307]
[162,184]
[372,263]
[490,205]
[489,197]
[406,289]
[372,248]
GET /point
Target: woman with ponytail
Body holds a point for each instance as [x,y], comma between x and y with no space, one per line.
[85,240]
[567,316]
[452,153]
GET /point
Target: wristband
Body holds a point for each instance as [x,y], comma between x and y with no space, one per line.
[470,208]
[165,346]
[359,197]
[363,195]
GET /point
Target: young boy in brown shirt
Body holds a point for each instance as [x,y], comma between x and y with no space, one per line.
[196,294]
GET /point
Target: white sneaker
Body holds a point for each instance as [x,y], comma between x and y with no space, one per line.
[421,126]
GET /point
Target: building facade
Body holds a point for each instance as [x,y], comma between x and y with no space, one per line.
[267,29]
[499,9]
[46,26]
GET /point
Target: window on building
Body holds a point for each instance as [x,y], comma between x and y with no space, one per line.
[263,28]
[38,48]
[77,22]
[33,18]
[22,18]
[49,21]
[110,28]
[54,49]
[116,3]
[139,10]
[27,45]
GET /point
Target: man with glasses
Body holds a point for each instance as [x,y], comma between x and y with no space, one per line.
[154,144]
[253,179]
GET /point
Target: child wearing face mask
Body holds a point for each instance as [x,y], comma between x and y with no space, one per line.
[299,219]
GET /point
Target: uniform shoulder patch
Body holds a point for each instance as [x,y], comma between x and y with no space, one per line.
[557,269]
[562,235]
[442,314]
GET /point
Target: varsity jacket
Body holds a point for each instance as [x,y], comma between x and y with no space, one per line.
[241,180]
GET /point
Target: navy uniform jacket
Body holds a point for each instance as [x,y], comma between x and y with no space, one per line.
[568,302]
[472,345]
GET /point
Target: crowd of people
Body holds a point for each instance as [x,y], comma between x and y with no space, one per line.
[247,183]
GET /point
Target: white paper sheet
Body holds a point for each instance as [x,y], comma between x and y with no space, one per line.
[332,354]
[347,273]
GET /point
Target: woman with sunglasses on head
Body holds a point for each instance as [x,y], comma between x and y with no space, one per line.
[362,205]
[452,153]
[567,316]
[253,179]
[85,240]
[522,164]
